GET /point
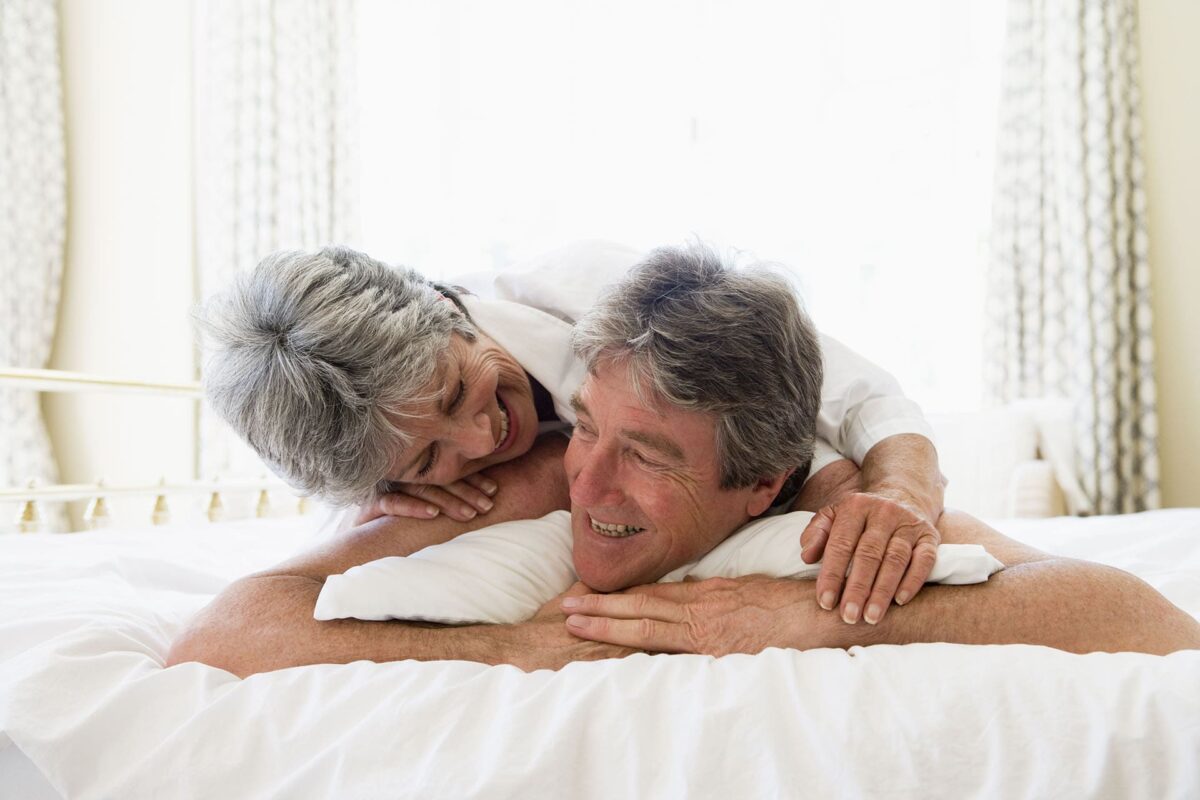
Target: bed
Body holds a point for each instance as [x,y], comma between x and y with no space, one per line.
[87,710]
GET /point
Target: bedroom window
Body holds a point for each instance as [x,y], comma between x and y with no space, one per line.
[851,141]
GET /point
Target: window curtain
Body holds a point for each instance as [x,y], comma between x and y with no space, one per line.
[32,224]
[1069,283]
[275,124]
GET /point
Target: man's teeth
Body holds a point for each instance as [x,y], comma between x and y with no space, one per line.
[615,531]
[503,423]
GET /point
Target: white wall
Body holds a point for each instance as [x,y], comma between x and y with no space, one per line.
[129,247]
[128,278]
[1170,30]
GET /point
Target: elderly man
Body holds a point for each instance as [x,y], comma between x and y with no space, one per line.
[694,375]
[679,426]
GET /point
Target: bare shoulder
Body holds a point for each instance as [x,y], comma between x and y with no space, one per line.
[530,487]
[959,528]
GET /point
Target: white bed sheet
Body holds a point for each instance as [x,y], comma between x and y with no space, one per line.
[86,620]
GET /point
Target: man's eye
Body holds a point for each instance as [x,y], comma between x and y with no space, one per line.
[641,459]
[429,462]
[581,429]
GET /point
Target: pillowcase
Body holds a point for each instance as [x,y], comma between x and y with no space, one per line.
[504,573]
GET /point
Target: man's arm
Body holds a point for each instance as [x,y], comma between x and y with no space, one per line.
[265,621]
[1037,599]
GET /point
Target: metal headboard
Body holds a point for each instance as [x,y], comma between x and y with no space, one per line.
[30,518]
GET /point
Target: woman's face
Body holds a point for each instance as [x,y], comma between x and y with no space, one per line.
[482,414]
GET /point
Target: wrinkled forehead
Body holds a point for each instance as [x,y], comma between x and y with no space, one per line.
[614,383]
[612,392]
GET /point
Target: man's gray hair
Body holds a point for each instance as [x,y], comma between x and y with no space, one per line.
[707,337]
[315,355]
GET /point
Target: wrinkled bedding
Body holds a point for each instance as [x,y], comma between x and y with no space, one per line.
[86,620]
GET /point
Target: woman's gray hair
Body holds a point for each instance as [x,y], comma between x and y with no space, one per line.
[315,355]
[707,337]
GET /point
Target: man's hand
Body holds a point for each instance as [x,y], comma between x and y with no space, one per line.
[544,642]
[886,544]
[714,617]
[461,501]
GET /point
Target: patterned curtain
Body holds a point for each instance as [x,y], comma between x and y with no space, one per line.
[1069,285]
[32,225]
[275,130]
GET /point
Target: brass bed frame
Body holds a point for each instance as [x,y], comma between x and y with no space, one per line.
[29,516]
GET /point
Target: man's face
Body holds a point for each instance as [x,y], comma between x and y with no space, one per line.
[645,485]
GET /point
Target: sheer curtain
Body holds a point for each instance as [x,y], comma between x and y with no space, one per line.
[32,224]
[276,121]
[1069,285]
[851,141]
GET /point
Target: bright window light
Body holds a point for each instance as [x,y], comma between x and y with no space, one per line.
[850,141]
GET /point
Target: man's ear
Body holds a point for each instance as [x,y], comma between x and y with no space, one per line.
[764,492]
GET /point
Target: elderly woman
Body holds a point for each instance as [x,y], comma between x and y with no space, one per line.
[368,384]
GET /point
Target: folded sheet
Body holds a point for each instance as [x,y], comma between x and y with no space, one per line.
[506,572]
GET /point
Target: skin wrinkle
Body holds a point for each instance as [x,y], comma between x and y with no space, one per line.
[484,369]
[682,508]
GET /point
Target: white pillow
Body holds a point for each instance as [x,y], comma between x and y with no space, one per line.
[504,573]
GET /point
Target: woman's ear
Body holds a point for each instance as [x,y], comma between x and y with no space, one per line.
[764,492]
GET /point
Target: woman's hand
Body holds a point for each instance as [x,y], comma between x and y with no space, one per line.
[879,547]
[462,500]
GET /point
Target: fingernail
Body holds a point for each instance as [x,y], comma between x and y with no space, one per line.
[486,505]
[489,487]
[570,602]
[827,599]
[850,615]
[431,510]
[577,621]
[872,615]
[468,512]
[804,556]
[902,597]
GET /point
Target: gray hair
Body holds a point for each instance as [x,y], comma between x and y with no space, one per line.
[707,337]
[314,355]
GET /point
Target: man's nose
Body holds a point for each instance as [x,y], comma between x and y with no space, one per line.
[595,485]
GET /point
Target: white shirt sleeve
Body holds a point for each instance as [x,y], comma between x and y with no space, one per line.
[861,404]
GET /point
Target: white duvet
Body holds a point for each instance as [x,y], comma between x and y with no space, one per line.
[85,621]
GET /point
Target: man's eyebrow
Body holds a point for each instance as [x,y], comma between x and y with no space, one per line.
[665,445]
[577,405]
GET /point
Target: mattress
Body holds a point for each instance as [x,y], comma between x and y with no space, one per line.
[87,710]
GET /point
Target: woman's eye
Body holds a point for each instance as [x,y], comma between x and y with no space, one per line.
[433,454]
[459,397]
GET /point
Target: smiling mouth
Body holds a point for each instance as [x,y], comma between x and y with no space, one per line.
[614,531]
[504,425]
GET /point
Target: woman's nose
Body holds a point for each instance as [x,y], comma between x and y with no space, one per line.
[476,439]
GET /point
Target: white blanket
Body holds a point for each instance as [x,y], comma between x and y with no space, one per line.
[506,572]
[86,620]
